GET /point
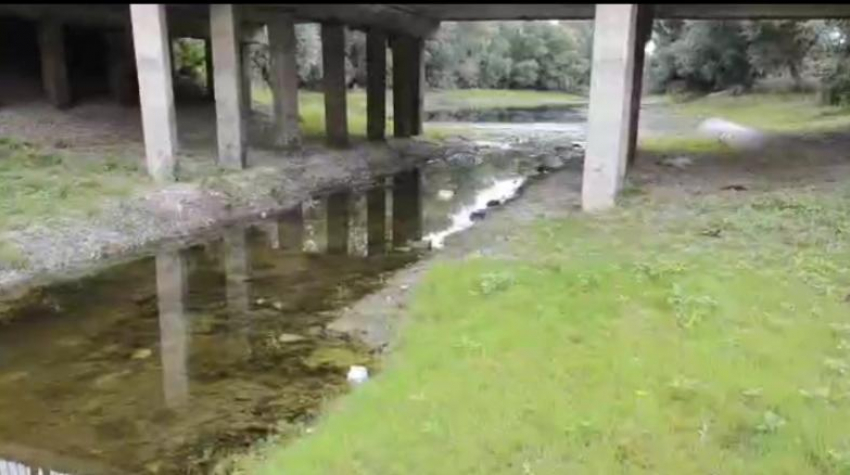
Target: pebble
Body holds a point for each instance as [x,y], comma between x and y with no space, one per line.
[142,354]
[357,375]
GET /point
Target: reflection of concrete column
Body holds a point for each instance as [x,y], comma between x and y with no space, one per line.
[333,81]
[407,207]
[609,115]
[171,289]
[291,225]
[237,270]
[358,224]
[229,105]
[153,66]
[338,204]
[315,219]
[272,231]
[376,217]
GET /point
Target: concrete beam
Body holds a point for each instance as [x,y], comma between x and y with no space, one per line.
[503,11]
[229,105]
[609,116]
[54,68]
[156,96]
[333,82]
[284,79]
[376,84]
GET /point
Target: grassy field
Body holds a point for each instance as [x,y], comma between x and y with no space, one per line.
[709,336]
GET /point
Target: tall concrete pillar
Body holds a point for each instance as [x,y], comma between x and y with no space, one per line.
[408,77]
[284,79]
[610,113]
[376,84]
[54,68]
[229,104]
[333,82]
[208,68]
[245,59]
[122,85]
[156,96]
[171,290]
[644,33]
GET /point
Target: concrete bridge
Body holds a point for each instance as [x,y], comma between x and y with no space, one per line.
[140,66]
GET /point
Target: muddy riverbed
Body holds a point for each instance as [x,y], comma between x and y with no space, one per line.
[205,345]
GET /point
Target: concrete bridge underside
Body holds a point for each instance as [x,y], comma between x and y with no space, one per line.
[140,66]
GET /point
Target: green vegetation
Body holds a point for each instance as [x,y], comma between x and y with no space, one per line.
[770,112]
[704,336]
[36,185]
[496,98]
[684,145]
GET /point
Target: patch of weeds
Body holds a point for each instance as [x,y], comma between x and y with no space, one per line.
[770,423]
[11,256]
[493,282]
[689,310]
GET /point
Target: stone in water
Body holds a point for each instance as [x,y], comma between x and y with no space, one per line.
[357,375]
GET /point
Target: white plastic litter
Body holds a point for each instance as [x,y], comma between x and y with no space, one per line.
[445,195]
[358,375]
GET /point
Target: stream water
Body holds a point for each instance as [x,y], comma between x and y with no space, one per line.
[167,363]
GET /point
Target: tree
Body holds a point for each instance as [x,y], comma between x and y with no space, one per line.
[775,46]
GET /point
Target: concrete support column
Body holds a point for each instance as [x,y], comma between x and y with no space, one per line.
[284,79]
[208,68]
[645,16]
[408,73]
[333,82]
[121,74]
[229,102]
[245,60]
[156,96]
[171,290]
[54,68]
[609,116]
[376,84]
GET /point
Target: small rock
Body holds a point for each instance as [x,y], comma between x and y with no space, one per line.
[260,301]
[735,187]
[677,162]
[477,215]
[493,203]
[357,375]
[278,305]
[289,338]
[141,354]
[445,195]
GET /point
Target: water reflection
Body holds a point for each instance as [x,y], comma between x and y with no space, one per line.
[171,287]
[238,322]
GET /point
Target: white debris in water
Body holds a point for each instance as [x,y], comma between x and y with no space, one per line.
[445,195]
[499,191]
[732,134]
[489,143]
[357,375]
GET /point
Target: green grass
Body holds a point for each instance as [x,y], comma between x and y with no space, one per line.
[37,185]
[312,107]
[709,335]
[772,112]
[684,145]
